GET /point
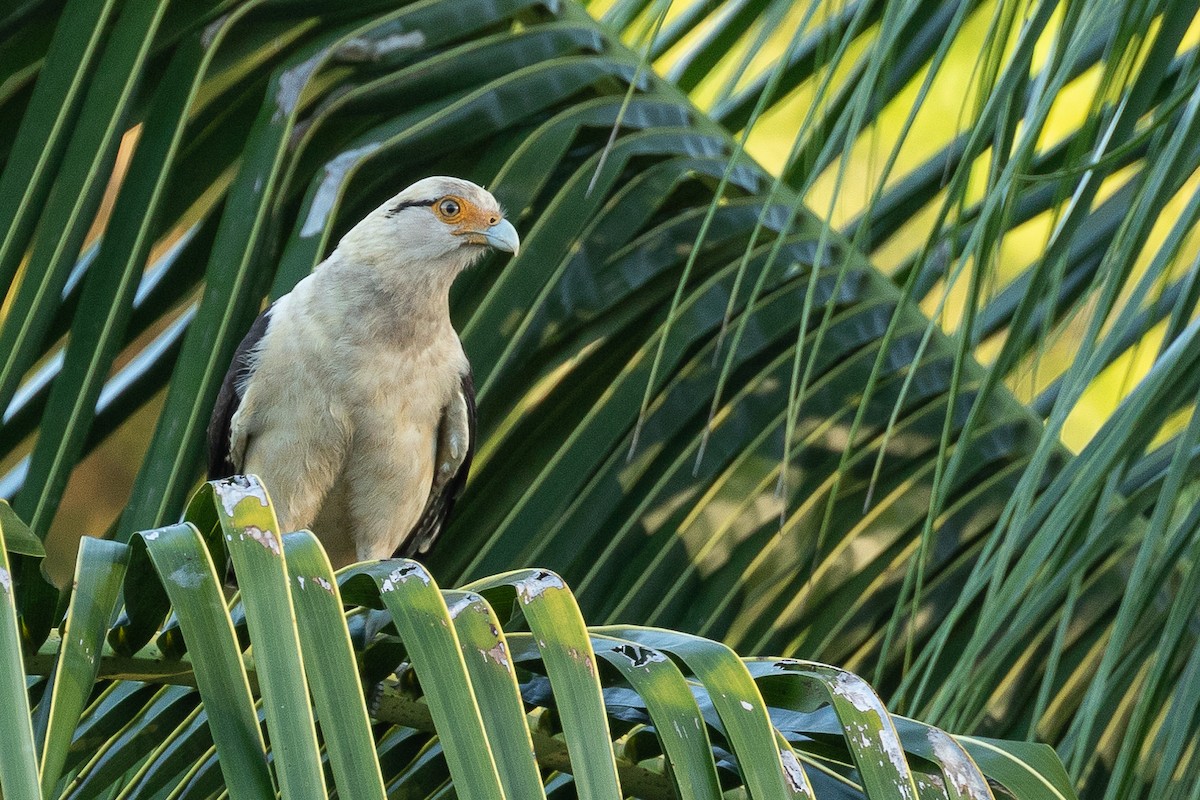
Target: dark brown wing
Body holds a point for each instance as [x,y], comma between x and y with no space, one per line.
[229,399]
[441,503]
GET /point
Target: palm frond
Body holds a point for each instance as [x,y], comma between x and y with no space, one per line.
[849,376]
[617,711]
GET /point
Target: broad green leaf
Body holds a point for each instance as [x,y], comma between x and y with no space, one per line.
[107,296]
[865,720]
[140,742]
[830,461]
[105,717]
[331,668]
[425,626]
[677,719]
[869,730]
[19,769]
[18,538]
[186,570]
[736,700]
[562,640]
[254,540]
[485,650]
[47,126]
[77,189]
[1027,769]
[99,570]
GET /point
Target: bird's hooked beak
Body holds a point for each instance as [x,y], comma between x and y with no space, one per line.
[503,236]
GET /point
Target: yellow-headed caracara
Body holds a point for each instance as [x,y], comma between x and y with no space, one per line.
[351,396]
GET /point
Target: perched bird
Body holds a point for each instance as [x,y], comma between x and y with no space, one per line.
[351,396]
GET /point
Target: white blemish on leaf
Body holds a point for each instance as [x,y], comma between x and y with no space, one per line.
[5,581]
[327,191]
[265,538]
[363,48]
[300,581]
[324,584]
[857,692]
[460,605]
[291,85]
[955,766]
[895,755]
[536,584]
[639,656]
[151,536]
[187,578]
[498,653]
[402,574]
[793,772]
[747,706]
[232,491]
[211,30]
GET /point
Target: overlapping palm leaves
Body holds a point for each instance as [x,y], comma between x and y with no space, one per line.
[680,460]
[616,711]
[1112,282]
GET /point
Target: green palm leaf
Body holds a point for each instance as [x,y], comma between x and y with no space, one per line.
[816,408]
[662,726]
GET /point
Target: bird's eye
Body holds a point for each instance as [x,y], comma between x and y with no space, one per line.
[449,208]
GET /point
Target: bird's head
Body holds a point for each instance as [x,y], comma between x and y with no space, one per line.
[438,223]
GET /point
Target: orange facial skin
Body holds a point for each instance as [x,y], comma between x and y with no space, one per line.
[467,218]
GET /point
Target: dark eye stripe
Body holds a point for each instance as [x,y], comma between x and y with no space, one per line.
[396,209]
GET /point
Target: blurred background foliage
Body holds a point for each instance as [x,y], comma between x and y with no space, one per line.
[714,386]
